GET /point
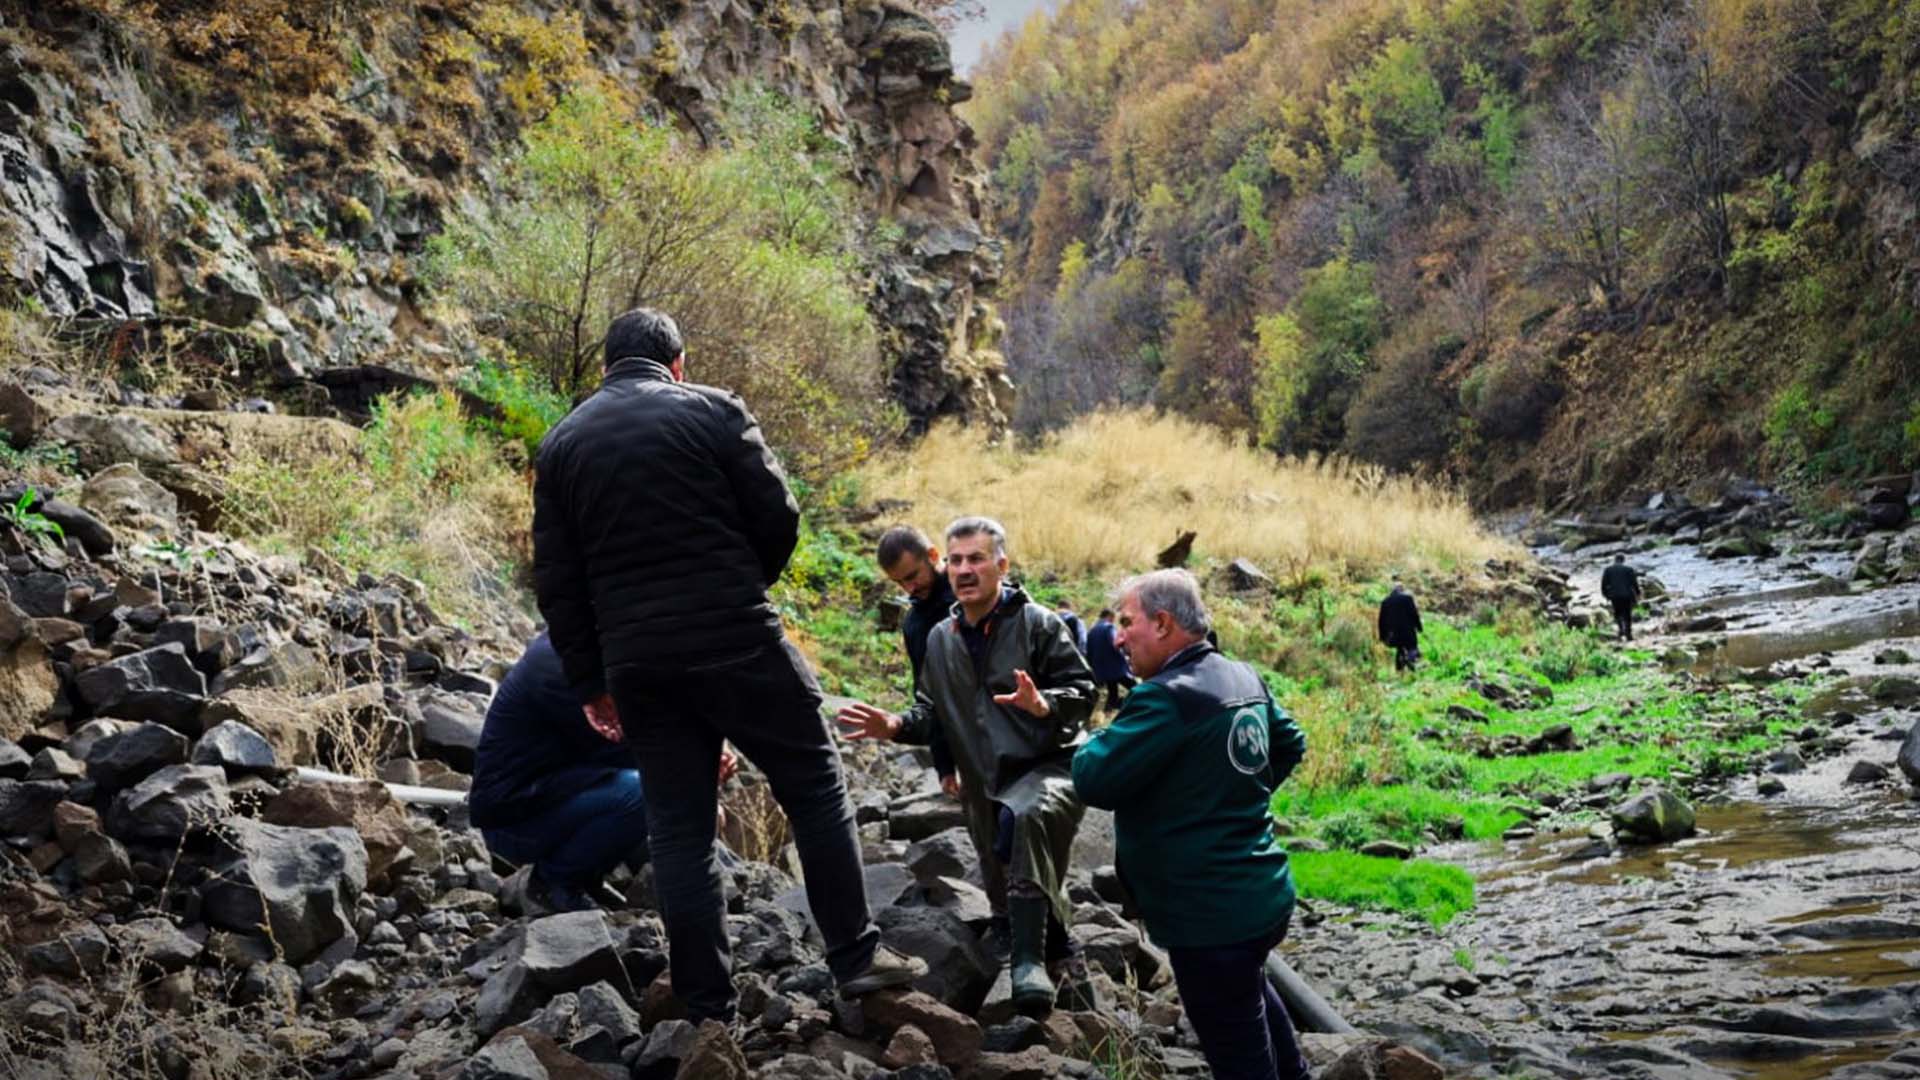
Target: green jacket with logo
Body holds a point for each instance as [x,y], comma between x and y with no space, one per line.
[1189,768]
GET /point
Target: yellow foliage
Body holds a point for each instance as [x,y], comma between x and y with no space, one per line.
[1105,495]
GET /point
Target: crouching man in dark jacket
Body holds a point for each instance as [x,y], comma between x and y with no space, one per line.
[1005,683]
[1189,768]
[549,791]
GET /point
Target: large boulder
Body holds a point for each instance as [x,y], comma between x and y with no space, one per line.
[28,687]
[960,971]
[100,441]
[166,805]
[571,950]
[283,665]
[917,817]
[122,495]
[301,884]
[364,806]
[1653,816]
[128,757]
[237,748]
[26,806]
[957,1038]
[159,684]
[949,853]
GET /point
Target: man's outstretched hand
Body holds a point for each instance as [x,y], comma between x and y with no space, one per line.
[604,718]
[1026,697]
[862,721]
[951,785]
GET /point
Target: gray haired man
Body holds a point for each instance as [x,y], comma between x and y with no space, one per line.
[1005,682]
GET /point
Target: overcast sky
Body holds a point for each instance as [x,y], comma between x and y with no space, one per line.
[972,37]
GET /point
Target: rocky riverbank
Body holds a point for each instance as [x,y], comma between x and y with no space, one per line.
[182,901]
[1774,936]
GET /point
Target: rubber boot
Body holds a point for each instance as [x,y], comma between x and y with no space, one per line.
[1032,989]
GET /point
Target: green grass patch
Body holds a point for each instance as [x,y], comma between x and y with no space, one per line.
[1432,891]
[1353,816]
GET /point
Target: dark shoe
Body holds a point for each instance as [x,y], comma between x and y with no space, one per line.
[1033,991]
[887,970]
[561,898]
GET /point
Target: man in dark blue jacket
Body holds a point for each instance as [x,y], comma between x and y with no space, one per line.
[1110,668]
[910,560]
[548,790]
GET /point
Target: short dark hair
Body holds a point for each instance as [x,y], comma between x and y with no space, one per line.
[1619,558]
[899,542]
[644,332]
[1106,613]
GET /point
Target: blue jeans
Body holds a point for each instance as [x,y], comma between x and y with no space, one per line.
[1244,1029]
[575,843]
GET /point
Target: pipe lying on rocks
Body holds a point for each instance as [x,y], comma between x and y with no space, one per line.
[1310,1011]
[406,793]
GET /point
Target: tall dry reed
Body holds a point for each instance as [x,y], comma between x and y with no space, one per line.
[1106,494]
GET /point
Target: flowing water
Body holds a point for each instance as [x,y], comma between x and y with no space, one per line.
[1782,942]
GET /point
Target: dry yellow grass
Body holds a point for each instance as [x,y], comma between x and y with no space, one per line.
[1107,494]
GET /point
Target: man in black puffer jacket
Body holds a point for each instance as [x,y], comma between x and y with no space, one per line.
[660,519]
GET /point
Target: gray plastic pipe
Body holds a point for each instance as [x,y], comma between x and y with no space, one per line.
[1310,1011]
[406,793]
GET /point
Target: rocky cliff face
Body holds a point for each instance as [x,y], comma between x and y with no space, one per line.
[244,186]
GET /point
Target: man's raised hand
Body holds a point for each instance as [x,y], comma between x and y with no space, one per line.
[1026,697]
[862,721]
[604,718]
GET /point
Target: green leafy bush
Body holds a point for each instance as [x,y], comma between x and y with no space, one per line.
[750,247]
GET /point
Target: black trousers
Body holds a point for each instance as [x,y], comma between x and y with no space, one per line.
[1405,657]
[1623,618]
[767,705]
[1244,1028]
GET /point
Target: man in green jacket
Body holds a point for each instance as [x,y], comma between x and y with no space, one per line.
[1189,768]
[1004,682]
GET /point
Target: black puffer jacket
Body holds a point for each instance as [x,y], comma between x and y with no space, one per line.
[659,520]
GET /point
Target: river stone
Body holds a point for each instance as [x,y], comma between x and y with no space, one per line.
[1910,756]
[1653,816]
[306,880]
[159,684]
[172,801]
[1770,785]
[127,757]
[1867,772]
[1787,760]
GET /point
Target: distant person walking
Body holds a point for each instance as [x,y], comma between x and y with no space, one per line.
[1621,586]
[1400,627]
[1110,670]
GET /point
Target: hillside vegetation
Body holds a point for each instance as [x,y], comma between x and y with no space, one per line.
[1554,247]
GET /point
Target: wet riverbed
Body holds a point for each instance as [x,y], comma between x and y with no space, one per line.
[1780,943]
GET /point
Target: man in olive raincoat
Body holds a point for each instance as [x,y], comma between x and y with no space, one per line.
[1006,684]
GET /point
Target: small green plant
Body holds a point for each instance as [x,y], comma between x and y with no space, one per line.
[1464,959]
[21,515]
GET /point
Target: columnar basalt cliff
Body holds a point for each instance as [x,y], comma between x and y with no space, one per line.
[251,187]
